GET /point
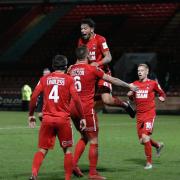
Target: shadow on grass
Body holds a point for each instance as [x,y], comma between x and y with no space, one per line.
[85,169]
[136,161]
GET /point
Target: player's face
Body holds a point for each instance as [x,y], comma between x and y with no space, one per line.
[86,31]
[142,72]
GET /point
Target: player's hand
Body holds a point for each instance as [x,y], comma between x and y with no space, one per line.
[32,121]
[82,124]
[130,93]
[133,87]
[94,64]
[162,99]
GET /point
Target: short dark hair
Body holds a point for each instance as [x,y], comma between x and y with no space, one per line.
[59,62]
[81,52]
[88,21]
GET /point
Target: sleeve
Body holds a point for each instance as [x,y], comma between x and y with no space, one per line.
[158,89]
[98,72]
[76,98]
[38,89]
[103,44]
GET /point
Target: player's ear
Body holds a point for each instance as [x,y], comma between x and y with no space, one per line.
[92,30]
[147,71]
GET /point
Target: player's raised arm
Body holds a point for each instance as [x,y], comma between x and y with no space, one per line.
[119,82]
[107,59]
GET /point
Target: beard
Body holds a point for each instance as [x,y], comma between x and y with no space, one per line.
[85,36]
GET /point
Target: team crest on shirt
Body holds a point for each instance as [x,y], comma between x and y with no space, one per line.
[148,86]
[94,47]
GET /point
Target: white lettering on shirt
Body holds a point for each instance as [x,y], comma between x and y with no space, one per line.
[142,94]
[55,80]
[77,72]
[92,55]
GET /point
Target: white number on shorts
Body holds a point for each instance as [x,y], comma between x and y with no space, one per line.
[78,83]
[148,125]
[54,93]
[108,85]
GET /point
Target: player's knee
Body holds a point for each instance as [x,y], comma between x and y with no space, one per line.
[107,99]
[84,139]
[44,151]
[67,150]
[93,140]
[141,141]
[145,138]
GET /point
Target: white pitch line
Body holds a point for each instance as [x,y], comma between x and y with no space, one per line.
[26,127]
[16,127]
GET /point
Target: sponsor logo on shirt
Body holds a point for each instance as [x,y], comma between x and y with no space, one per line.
[142,94]
[92,55]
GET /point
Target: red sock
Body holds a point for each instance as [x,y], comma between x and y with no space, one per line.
[154,143]
[148,151]
[93,158]
[79,149]
[118,102]
[37,161]
[68,165]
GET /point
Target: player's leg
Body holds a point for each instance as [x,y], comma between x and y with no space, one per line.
[158,145]
[37,161]
[105,89]
[81,144]
[46,141]
[110,100]
[147,150]
[64,133]
[68,162]
[93,156]
[79,149]
[92,135]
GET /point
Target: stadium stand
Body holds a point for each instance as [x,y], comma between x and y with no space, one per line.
[129,28]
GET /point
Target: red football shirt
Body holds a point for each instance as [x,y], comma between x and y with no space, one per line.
[85,77]
[57,88]
[145,96]
[97,45]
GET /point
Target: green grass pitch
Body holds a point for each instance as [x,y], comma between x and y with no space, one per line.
[120,155]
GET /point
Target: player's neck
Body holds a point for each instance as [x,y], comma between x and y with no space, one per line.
[143,80]
[59,71]
[92,35]
[84,61]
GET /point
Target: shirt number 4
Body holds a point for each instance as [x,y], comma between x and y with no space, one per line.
[54,94]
